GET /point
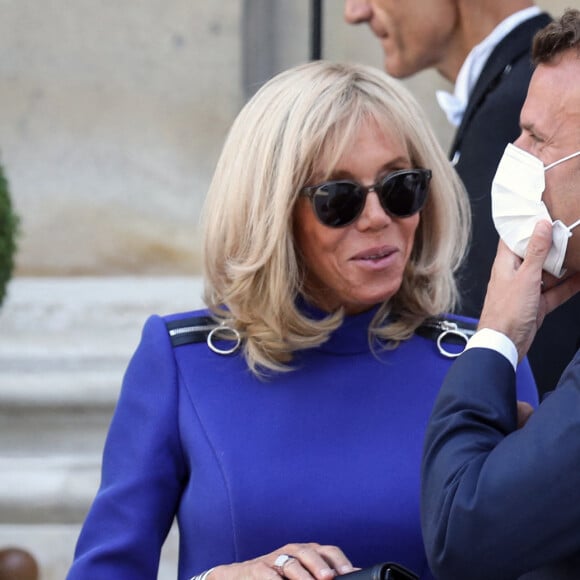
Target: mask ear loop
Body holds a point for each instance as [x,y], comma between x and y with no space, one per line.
[571,156]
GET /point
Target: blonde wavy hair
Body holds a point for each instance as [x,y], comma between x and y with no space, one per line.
[253,271]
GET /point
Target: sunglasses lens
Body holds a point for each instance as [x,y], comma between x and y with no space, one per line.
[338,203]
[403,194]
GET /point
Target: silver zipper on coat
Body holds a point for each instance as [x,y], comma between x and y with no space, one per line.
[190,329]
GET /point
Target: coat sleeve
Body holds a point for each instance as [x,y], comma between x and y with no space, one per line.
[142,470]
[498,501]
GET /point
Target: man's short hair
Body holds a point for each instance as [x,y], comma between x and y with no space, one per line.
[559,36]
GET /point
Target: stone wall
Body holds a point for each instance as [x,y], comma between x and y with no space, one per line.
[112,117]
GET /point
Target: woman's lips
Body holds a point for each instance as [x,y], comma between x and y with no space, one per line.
[375,254]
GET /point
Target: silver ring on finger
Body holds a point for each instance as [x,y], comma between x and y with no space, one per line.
[280,562]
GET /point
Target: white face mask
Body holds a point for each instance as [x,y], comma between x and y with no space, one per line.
[516,205]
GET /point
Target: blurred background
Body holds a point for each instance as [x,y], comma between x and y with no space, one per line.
[112,115]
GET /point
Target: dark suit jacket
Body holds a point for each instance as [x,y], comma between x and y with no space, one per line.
[498,502]
[490,122]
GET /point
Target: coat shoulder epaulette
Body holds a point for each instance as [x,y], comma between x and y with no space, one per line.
[197,328]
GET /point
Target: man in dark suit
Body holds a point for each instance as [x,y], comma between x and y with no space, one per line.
[483,48]
[501,485]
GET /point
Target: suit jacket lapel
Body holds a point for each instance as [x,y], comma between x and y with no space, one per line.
[498,65]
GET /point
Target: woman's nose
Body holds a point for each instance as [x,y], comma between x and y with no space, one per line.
[373,215]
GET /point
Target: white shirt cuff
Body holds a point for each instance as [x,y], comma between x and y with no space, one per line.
[494,340]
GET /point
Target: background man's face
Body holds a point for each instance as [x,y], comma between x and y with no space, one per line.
[550,121]
[413,37]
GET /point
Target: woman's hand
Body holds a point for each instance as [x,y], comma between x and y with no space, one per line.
[305,561]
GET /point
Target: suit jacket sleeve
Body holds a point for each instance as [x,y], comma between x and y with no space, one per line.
[142,470]
[498,501]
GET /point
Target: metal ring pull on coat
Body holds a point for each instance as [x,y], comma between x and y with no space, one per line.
[236,339]
[451,332]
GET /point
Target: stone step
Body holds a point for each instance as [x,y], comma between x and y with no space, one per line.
[73,302]
[47,489]
[43,412]
[64,347]
[53,547]
[79,388]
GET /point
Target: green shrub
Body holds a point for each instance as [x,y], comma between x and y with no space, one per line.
[8,232]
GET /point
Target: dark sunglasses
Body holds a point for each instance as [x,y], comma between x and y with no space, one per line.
[339,203]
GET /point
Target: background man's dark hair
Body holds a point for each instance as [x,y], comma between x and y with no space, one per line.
[561,35]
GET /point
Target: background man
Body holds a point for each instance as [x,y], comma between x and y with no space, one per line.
[498,501]
[483,48]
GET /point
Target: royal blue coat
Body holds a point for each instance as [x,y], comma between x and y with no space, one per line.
[329,452]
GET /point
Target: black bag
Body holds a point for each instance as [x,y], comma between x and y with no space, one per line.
[384,571]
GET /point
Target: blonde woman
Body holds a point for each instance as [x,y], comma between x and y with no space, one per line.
[283,426]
